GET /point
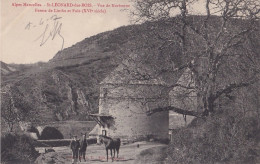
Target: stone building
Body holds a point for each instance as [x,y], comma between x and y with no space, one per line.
[126,95]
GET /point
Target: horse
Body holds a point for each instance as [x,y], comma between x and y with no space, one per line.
[83,147]
[112,144]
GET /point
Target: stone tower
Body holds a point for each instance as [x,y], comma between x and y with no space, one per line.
[126,95]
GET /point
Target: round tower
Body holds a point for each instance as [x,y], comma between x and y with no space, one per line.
[126,96]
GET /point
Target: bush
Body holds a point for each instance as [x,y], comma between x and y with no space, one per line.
[50,133]
[221,138]
[17,149]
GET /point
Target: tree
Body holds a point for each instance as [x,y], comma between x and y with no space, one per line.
[220,49]
[8,114]
[14,108]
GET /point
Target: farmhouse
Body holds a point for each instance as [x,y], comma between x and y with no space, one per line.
[126,95]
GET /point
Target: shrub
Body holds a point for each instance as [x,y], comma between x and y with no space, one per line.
[225,138]
[17,149]
[51,133]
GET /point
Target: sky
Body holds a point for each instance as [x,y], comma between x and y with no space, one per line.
[24,32]
[28,36]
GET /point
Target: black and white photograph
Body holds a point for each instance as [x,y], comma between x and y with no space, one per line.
[130,81]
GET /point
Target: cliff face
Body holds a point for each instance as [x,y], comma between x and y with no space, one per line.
[54,94]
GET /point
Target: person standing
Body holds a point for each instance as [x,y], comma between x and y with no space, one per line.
[74,145]
[83,147]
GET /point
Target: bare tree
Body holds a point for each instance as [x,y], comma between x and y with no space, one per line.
[220,49]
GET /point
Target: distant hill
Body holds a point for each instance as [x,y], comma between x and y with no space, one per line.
[6,69]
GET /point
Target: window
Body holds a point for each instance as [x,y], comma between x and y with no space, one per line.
[105,90]
[104,132]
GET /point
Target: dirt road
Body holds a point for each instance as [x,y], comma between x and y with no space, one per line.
[97,154]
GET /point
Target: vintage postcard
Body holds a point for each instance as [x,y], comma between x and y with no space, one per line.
[130,81]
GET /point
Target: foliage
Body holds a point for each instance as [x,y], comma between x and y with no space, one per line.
[225,137]
[17,149]
[15,108]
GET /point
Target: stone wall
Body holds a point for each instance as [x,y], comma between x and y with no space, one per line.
[70,128]
[128,105]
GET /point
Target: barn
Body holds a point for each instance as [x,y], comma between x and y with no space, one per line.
[126,95]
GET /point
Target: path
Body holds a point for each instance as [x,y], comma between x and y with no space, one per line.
[97,154]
